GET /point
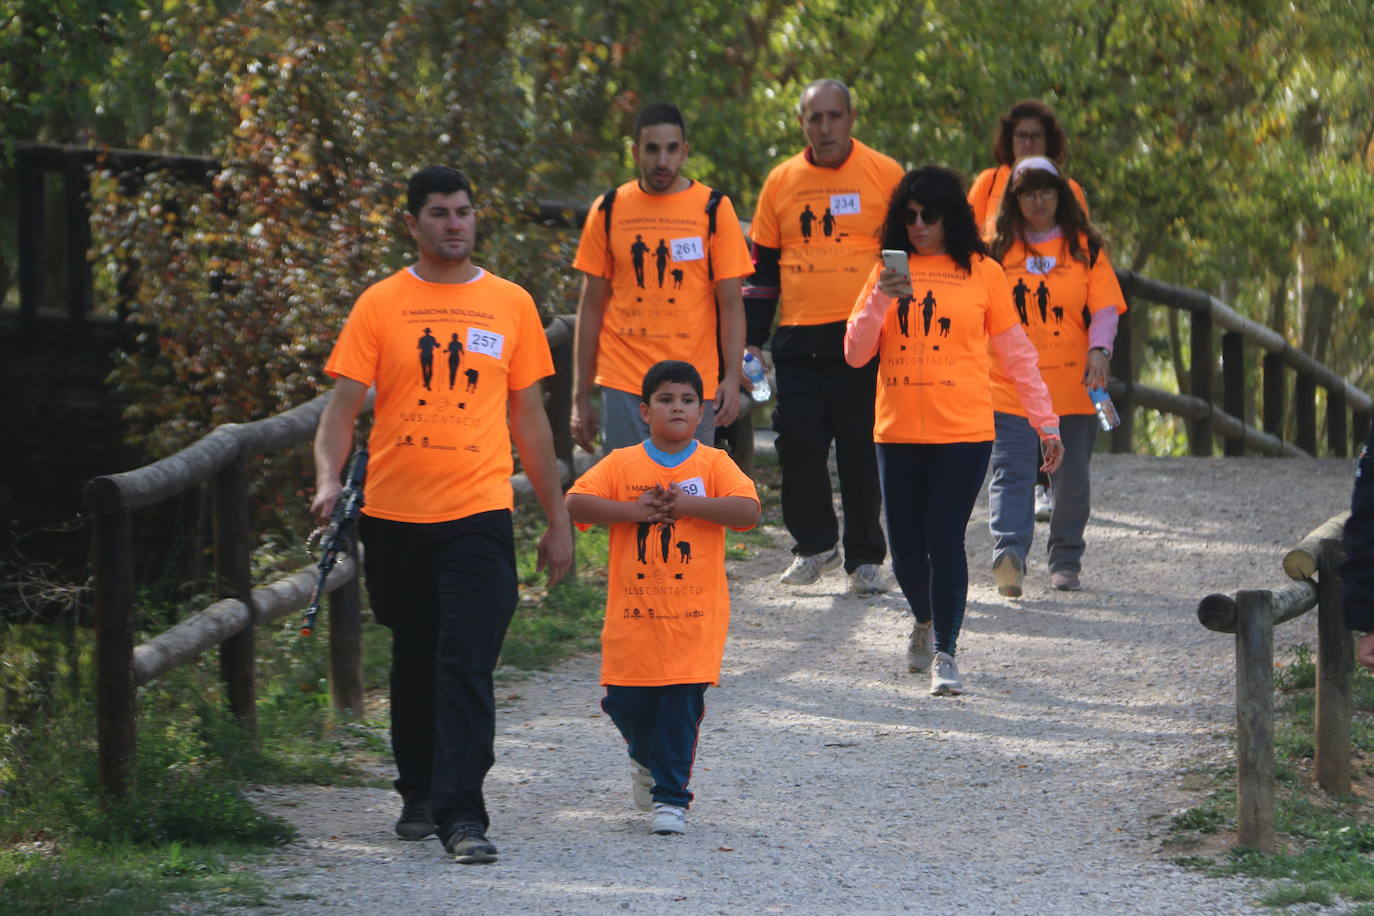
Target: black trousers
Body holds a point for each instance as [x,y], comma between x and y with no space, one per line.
[446,591]
[821,399]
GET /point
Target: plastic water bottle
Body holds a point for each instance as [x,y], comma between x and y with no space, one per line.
[753,371]
[1106,410]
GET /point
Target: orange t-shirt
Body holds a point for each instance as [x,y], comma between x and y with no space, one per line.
[663,301]
[443,357]
[667,598]
[826,222]
[1050,292]
[933,364]
[986,197]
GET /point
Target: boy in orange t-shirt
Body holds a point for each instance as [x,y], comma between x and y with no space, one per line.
[668,501]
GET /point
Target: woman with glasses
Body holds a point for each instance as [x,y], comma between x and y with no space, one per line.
[1052,255]
[937,328]
[1029,128]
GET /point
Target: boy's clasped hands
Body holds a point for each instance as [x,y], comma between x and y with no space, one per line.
[661,503]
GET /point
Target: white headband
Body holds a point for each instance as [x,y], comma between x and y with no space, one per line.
[1034,162]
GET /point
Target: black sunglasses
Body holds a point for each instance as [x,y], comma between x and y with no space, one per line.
[928,216]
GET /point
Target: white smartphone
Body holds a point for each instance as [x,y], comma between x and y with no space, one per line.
[896,260]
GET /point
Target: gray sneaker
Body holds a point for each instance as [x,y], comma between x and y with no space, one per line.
[920,651]
[1008,570]
[669,819]
[469,845]
[944,677]
[805,570]
[641,785]
[867,579]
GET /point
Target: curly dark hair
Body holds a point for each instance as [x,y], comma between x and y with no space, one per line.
[1068,215]
[1056,144]
[936,188]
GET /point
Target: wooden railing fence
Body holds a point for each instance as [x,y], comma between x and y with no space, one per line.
[1252,614]
[221,459]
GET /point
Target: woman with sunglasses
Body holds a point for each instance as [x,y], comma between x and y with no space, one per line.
[937,329]
[1052,254]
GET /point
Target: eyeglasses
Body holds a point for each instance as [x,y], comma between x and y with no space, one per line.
[1028,136]
[1039,194]
[928,216]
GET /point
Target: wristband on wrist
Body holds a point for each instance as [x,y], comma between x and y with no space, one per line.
[1047,431]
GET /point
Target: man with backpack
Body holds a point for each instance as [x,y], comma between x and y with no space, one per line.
[628,318]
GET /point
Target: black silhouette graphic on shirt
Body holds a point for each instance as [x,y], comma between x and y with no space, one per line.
[677,278]
[1019,292]
[642,541]
[455,356]
[807,218]
[928,310]
[472,380]
[661,260]
[428,344]
[944,326]
[637,252]
[684,551]
[828,223]
[1058,311]
[904,315]
[1042,299]
[665,536]
[665,543]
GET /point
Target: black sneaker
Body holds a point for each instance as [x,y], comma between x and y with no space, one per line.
[469,845]
[416,822]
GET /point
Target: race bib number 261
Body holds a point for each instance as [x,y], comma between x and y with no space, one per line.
[688,249]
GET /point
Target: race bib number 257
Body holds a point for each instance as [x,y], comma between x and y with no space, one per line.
[486,342]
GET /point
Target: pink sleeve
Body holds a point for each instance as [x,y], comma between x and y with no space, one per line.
[1016,353]
[865,327]
[1102,331]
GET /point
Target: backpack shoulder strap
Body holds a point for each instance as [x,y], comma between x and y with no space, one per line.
[712,205]
[607,202]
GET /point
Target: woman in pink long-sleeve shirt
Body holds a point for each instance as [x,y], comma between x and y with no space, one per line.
[937,332]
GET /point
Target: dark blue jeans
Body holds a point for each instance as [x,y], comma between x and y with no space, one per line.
[660,727]
[446,591]
[929,492]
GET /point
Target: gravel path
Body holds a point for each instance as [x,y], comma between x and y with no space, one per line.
[828,780]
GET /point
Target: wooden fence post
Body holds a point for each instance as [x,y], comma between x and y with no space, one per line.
[116,699]
[1255,720]
[346,638]
[234,579]
[1305,403]
[30,193]
[1335,667]
[1233,387]
[1200,380]
[1335,423]
[1273,395]
[1123,368]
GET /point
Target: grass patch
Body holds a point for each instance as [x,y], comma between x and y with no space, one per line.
[1326,843]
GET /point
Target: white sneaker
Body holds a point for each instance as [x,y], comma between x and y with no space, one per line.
[1044,503]
[641,785]
[944,677]
[920,650]
[805,570]
[1008,571]
[669,819]
[867,579]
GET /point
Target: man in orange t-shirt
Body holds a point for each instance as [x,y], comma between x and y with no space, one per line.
[436,524]
[634,311]
[821,398]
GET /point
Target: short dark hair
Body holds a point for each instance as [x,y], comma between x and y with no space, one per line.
[827,83]
[942,190]
[659,113]
[670,370]
[436,179]
[1056,145]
